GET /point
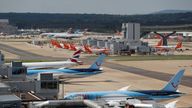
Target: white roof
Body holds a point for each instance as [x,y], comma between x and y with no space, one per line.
[4,98]
[2,85]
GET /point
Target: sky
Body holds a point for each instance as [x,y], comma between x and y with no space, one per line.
[122,7]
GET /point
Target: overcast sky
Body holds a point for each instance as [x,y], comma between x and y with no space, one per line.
[93,6]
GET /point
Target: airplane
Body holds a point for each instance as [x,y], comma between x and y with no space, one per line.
[70,62]
[77,72]
[70,34]
[72,47]
[168,92]
[135,103]
[65,45]
[95,50]
[50,35]
[67,35]
[179,45]
[55,44]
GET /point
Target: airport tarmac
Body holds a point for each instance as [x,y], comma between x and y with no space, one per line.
[140,75]
[112,79]
[9,55]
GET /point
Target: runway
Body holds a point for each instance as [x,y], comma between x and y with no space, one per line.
[24,55]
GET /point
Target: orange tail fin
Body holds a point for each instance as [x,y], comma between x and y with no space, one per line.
[87,49]
[66,46]
[56,44]
[179,45]
[73,47]
[160,43]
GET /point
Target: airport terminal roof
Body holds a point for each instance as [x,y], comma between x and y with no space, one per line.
[5,98]
[2,85]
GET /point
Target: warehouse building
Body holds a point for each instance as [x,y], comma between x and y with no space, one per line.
[6,28]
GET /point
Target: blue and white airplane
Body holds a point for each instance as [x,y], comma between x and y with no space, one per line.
[168,92]
[79,72]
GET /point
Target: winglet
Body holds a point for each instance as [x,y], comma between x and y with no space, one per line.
[124,88]
[171,104]
[98,62]
[174,82]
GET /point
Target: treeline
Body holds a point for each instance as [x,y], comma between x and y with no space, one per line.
[94,22]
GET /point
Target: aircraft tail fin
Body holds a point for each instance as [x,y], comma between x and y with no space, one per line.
[174,82]
[160,43]
[98,62]
[179,45]
[56,43]
[87,49]
[75,57]
[66,46]
[72,47]
[85,31]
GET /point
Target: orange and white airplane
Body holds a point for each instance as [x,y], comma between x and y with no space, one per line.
[96,50]
[71,46]
[55,44]
[85,48]
[159,45]
[65,45]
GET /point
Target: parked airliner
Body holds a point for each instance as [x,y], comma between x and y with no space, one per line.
[82,72]
[168,92]
[70,62]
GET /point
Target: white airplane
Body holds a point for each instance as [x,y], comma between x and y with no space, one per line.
[135,103]
[70,62]
[71,73]
[67,35]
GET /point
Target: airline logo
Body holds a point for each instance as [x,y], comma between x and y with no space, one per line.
[73,60]
[179,45]
[76,56]
[72,47]
[98,64]
[160,43]
[175,85]
[66,46]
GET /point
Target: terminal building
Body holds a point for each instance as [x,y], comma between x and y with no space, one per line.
[6,28]
[18,87]
[129,43]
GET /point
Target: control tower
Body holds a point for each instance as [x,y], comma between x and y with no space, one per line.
[131,34]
